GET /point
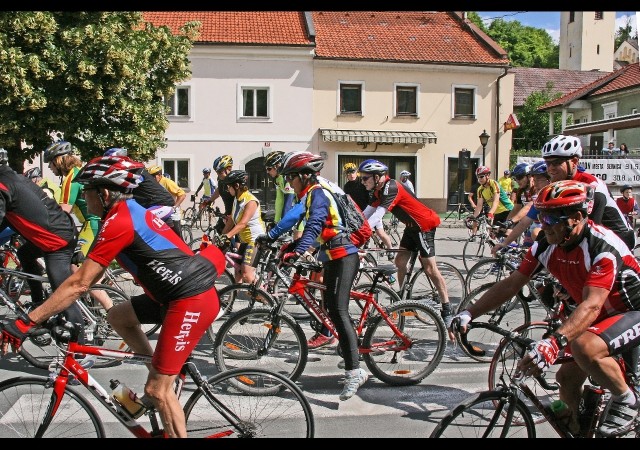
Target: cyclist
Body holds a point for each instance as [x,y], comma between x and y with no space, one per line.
[420,223]
[602,277]
[48,230]
[222,166]
[208,188]
[179,289]
[404,179]
[508,184]
[177,193]
[245,221]
[491,193]
[562,155]
[337,253]
[354,187]
[49,187]
[284,191]
[627,204]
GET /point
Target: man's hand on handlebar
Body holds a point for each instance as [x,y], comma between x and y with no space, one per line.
[13,332]
[460,321]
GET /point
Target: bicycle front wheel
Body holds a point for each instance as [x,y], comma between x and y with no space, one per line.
[401,363]
[474,250]
[484,415]
[273,407]
[26,402]
[421,287]
[488,270]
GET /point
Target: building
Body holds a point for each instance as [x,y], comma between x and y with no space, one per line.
[586,40]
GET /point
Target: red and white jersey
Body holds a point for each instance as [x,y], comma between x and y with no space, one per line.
[402,203]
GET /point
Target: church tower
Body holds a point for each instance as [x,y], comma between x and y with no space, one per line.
[587,40]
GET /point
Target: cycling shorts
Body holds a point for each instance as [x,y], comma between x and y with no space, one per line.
[248,253]
[423,241]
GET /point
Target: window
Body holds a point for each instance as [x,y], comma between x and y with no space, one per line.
[464,104]
[178,171]
[572,16]
[610,110]
[255,102]
[599,15]
[178,103]
[406,100]
[351,98]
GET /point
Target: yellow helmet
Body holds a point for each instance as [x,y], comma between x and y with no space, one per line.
[348,167]
[153,170]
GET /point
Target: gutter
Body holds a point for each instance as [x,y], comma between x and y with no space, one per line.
[497,131]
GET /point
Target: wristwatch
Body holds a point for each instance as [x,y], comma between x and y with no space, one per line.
[561,339]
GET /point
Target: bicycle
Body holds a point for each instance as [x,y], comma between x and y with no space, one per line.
[401,343]
[237,403]
[479,244]
[200,215]
[494,269]
[514,408]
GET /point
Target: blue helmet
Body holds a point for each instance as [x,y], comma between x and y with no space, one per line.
[521,170]
[539,168]
[115,151]
[372,166]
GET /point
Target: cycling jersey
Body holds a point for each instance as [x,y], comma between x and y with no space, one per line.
[255,225]
[525,195]
[150,193]
[488,191]
[171,186]
[71,194]
[208,187]
[358,192]
[284,198]
[163,265]
[599,259]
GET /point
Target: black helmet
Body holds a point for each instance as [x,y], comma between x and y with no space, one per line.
[34,172]
[624,187]
[57,149]
[236,176]
[273,159]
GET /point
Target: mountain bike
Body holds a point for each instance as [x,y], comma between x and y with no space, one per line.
[201,214]
[238,403]
[479,245]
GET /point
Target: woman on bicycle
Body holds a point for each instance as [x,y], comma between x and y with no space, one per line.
[245,222]
[602,277]
[208,188]
[337,253]
[179,289]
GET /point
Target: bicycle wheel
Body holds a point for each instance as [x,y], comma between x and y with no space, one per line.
[483,415]
[186,232]
[366,260]
[240,340]
[384,295]
[223,408]
[504,364]
[474,250]
[421,287]
[26,401]
[488,270]
[511,314]
[237,296]
[399,364]
[190,216]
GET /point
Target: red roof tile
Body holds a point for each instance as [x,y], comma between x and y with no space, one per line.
[238,27]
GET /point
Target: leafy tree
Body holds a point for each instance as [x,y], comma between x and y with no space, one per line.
[96,79]
[526,46]
[624,33]
[477,20]
[534,124]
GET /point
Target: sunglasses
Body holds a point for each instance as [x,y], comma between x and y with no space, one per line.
[291,176]
[269,169]
[365,178]
[551,220]
[480,177]
[555,162]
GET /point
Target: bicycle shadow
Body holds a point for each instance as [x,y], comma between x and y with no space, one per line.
[15,363]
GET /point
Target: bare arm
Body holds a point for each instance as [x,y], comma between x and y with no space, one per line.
[248,213]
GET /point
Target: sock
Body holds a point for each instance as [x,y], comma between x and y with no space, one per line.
[352,372]
[628,398]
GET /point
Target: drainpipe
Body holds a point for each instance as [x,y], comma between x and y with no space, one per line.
[497,131]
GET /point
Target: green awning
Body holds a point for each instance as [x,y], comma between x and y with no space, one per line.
[379,137]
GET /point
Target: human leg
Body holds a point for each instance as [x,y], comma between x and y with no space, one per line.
[28,255]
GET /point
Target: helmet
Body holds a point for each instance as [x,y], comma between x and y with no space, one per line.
[565,194]
[405,173]
[222,162]
[624,187]
[563,146]
[520,170]
[115,151]
[206,170]
[34,172]
[273,159]
[539,168]
[373,166]
[4,156]
[57,149]
[155,170]
[349,167]
[507,172]
[483,170]
[301,162]
[236,176]
[115,172]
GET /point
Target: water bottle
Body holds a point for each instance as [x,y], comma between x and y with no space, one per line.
[561,412]
[590,398]
[127,398]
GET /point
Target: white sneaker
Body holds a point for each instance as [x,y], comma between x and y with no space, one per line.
[352,383]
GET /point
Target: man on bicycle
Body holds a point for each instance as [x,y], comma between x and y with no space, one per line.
[491,193]
[208,188]
[223,165]
[602,277]
[420,225]
[179,290]
[284,192]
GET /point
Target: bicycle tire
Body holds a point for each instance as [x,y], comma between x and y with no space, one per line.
[366,260]
[204,219]
[511,314]
[404,367]
[488,270]
[186,233]
[384,295]
[238,296]
[421,287]
[278,409]
[478,417]
[474,250]
[506,358]
[243,334]
[24,401]
[190,216]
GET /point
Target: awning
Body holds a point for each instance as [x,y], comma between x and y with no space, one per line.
[379,137]
[599,126]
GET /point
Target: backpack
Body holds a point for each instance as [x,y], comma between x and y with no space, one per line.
[355,223]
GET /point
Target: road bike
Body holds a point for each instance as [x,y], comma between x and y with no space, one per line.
[401,343]
[481,242]
[518,404]
[242,403]
[201,214]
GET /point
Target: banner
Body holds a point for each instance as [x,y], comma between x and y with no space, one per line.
[511,123]
[613,172]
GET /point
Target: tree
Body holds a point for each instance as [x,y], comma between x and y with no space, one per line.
[534,124]
[96,79]
[526,46]
[624,33]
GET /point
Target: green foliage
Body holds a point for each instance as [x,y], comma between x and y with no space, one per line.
[526,46]
[97,79]
[624,33]
[534,124]
[477,20]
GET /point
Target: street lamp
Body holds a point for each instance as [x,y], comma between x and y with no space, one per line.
[484,139]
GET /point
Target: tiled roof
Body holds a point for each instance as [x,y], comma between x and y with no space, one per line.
[623,78]
[402,36]
[528,80]
[239,27]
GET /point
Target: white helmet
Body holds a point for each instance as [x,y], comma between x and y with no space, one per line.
[405,173]
[562,146]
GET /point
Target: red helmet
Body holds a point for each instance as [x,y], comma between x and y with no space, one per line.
[301,162]
[113,172]
[483,170]
[565,194]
